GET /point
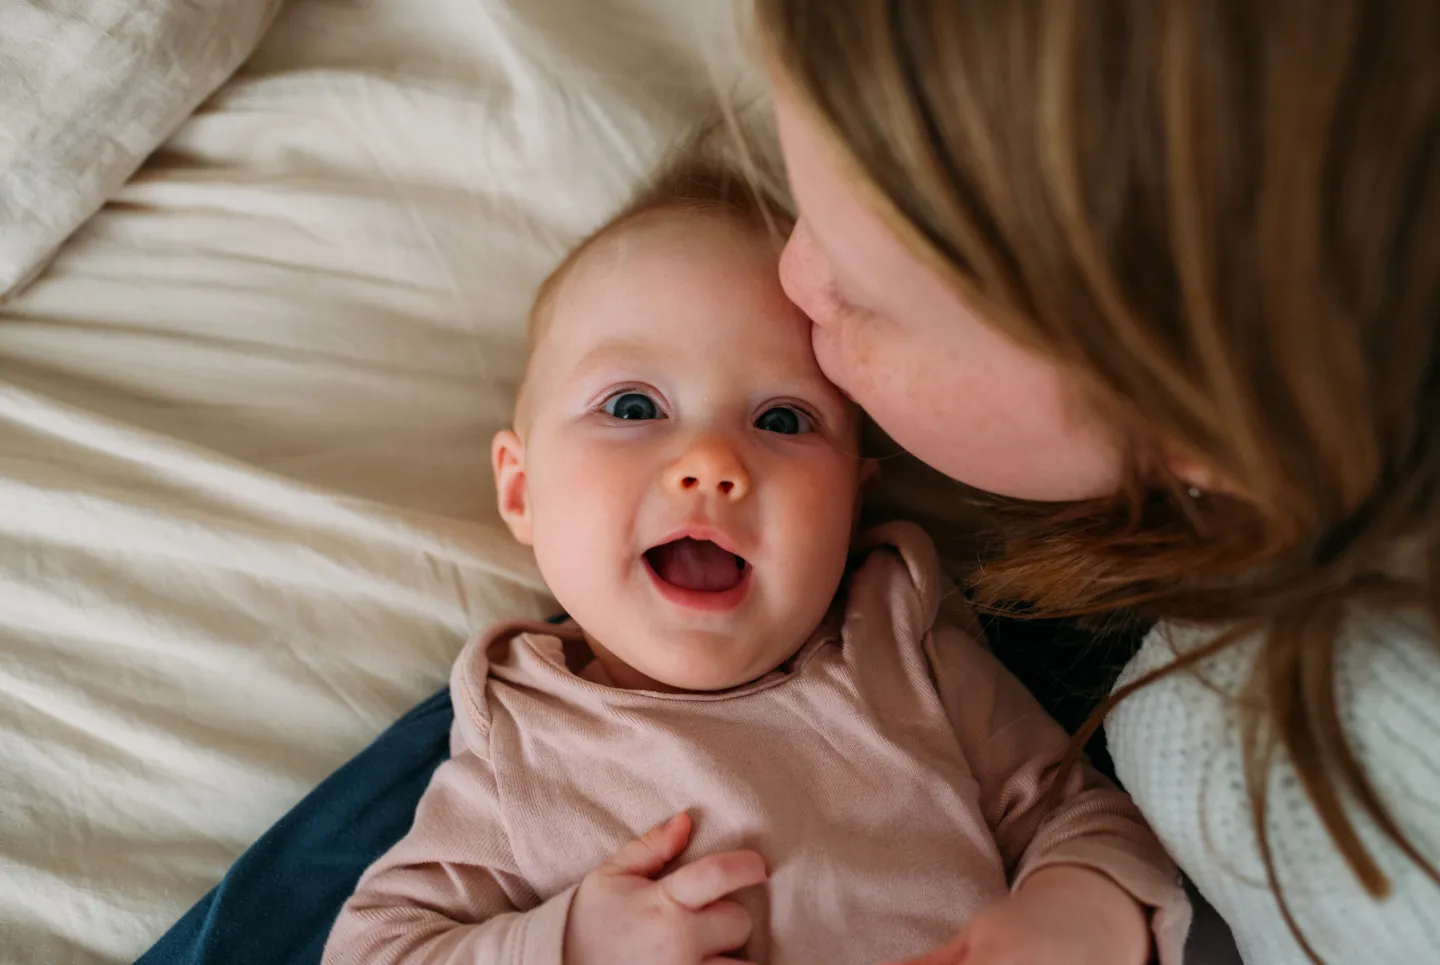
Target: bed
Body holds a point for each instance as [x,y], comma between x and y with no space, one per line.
[245,511]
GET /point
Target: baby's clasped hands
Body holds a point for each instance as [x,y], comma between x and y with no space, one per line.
[624,915]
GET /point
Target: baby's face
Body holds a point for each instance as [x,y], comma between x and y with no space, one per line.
[687,476]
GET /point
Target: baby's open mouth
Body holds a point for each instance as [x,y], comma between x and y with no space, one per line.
[697,564]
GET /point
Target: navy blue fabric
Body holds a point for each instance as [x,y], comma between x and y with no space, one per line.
[276,905]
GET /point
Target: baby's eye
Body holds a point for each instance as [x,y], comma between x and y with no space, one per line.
[784,420]
[632,406]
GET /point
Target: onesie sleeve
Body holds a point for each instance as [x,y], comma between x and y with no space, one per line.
[451,890]
[1014,749]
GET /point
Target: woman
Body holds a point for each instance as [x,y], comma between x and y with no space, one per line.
[1169,272]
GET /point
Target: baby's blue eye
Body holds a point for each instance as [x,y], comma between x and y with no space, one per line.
[784,420]
[632,406]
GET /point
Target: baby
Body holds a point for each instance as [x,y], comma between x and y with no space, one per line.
[830,772]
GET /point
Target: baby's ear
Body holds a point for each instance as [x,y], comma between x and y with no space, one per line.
[869,473]
[507,458]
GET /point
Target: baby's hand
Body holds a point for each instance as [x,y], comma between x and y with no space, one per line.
[1063,915]
[621,915]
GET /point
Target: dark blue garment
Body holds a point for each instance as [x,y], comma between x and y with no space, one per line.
[276,905]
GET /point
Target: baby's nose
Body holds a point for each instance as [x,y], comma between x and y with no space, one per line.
[709,467]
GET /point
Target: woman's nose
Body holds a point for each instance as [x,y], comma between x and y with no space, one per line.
[709,467]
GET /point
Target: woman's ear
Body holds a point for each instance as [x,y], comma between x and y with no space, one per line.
[1199,478]
[507,458]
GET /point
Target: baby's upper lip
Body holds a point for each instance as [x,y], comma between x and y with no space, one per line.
[702,531]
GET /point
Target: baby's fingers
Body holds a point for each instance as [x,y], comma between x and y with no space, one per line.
[721,927]
[954,952]
[653,850]
[713,877]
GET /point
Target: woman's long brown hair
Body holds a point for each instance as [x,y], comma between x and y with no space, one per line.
[1223,216]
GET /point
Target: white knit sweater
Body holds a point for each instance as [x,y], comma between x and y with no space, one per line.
[1177,749]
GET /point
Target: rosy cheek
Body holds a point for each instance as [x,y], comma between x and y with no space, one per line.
[848,356]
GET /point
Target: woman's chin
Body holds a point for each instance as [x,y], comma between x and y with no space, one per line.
[829,361]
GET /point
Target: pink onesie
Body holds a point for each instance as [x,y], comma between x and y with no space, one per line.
[891,774]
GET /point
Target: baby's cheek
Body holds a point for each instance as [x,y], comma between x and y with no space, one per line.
[822,514]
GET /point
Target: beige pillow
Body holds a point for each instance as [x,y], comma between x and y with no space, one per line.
[88,89]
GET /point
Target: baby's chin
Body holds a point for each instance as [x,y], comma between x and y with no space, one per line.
[702,670]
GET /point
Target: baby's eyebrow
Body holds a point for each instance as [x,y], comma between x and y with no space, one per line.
[825,395]
[613,350]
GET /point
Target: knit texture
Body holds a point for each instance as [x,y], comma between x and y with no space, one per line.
[1177,749]
[892,774]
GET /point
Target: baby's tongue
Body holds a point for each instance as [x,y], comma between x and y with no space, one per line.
[694,564]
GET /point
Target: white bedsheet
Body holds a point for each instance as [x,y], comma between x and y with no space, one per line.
[245,510]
